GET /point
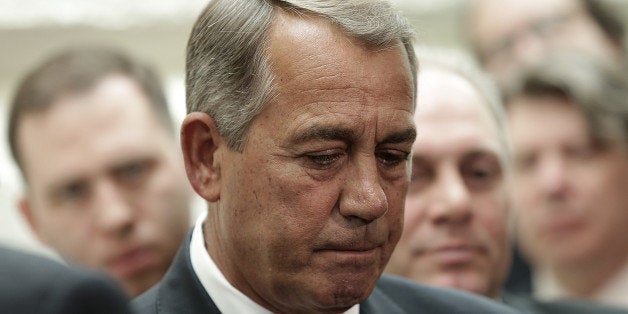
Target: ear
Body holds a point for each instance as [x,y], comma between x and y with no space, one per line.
[201,145]
[30,218]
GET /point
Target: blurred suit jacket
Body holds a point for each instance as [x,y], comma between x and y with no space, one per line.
[35,284]
[527,304]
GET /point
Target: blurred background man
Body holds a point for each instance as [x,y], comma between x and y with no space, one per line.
[456,231]
[510,35]
[569,125]
[105,186]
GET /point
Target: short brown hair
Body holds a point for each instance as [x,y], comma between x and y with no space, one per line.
[597,88]
[76,70]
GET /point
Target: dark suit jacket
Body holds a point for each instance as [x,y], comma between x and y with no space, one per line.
[527,304]
[181,292]
[34,284]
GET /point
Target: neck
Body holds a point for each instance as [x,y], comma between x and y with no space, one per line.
[585,280]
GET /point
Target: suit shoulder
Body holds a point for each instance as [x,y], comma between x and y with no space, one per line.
[90,292]
[146,302]
[32,283]
[411,297]
[527,304]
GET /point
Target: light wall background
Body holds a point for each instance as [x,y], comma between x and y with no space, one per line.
[155,31]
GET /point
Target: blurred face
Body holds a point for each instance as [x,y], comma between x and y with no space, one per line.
[514,34]
[570,196]
[106,188]
[316,198]
[455,232]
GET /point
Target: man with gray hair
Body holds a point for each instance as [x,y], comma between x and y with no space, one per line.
[298,135]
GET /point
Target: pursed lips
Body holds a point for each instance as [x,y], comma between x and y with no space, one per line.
[562,226]
[351,252]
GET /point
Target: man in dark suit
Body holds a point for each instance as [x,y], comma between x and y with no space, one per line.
[298,134]
[33,284]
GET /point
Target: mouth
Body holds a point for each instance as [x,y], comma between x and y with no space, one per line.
[455,255]
[354,255]
[132,262]
[562,226]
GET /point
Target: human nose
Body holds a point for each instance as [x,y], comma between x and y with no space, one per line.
[529,48]
[363,196]
[552,175]
[114,213]
[452,204]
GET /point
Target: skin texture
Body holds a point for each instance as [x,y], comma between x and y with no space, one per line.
[571,197]
[306,216]
[106,185]
[514,34]
[455,233]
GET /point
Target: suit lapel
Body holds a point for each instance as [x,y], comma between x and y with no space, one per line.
[378,302]
[180,291]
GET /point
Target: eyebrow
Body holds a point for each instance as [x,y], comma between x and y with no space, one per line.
[347,135]
[405,136]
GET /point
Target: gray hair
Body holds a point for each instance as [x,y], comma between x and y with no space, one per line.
[227,70]
[464,65]
[597,88]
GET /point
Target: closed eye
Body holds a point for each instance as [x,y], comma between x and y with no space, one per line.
[392,158]
[133,173]
[73,192]
[323,160]
[481,171]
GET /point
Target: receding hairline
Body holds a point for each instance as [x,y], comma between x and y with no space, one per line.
[289,16]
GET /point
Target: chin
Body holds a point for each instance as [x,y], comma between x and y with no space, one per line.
[468,282]
[341,300]
[344,294]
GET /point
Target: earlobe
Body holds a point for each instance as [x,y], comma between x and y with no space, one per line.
[29,216]
[201,144]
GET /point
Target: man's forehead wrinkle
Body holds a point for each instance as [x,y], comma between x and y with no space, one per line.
[320,72]
[323,132]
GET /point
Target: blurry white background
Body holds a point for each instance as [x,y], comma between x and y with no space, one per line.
[155,31]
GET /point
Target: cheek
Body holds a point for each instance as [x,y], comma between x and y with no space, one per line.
[414,215]
[492,212]
[396,192]
[307,212]
[69,233]
[524,191]
[492,217]
[610,191]
[282,207]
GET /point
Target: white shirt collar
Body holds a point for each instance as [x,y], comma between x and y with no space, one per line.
[546,287]
[227,298]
